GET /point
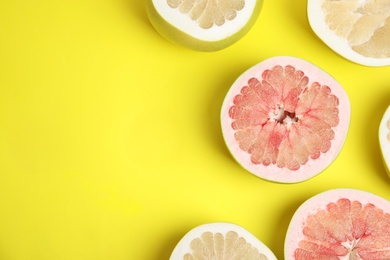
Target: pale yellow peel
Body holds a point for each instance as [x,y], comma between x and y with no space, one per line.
[384,139]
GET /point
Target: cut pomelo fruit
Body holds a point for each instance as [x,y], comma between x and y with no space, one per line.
[285,120]
[340,224]
[203,25]
[221,241]
[384,139]
[358,30]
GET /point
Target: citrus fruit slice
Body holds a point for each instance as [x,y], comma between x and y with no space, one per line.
[384,139]
[203,25]
[358,30]
[221,241]
[340,224]
[285,119]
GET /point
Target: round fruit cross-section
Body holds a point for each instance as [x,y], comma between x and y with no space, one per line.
[221,241]
[358,30]
[340,224]
[285,120]
[384,139]
[203,25]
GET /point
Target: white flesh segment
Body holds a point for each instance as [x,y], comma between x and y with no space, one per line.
[184,23]
[316,17]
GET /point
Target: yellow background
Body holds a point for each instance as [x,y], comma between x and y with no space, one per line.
[110,139]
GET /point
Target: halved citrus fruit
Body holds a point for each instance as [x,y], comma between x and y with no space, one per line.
[358,30]
[204,25]
[340,224]
[384,139]
[285,119]
[221,241]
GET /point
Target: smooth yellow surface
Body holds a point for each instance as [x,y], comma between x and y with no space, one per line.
[110,142]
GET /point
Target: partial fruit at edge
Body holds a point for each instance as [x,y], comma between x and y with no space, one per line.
[285,120]
[384,139]
[203,25]
[358,30]
[220,241]
[340,224]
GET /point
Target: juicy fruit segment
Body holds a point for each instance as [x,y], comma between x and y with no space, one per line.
[356,29]
[340,224]
[364,24]
[346,228]
[384,139]
[208,13]
[221,241]
[281,119]
[204,25]
[219,246]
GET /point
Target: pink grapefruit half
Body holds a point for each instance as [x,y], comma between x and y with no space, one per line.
[340,224]
[285,119]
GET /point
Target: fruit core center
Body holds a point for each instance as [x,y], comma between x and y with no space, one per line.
[282,116]
[353,254]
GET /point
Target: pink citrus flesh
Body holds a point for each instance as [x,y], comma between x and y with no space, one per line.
[285,119]
[340,224]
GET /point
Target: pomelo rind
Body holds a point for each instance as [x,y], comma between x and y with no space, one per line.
[312,167]
[178,37]
[183,246]
[316,20]
[318,202]
[384,141]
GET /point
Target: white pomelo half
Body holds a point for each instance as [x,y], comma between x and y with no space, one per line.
[221,241]
[384,139]
[340,224]
[285,119]
[358,30]
[203,25]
